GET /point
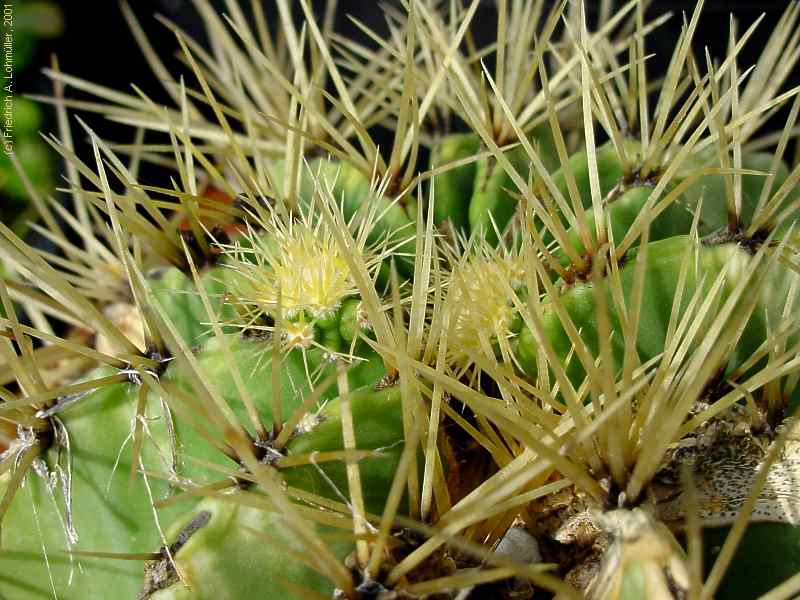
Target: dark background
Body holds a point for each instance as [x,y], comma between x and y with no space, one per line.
[98,46]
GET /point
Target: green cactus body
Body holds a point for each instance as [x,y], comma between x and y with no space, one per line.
[379,426]
[239,552]
[109,512]
[392,224]
[352,320]
[712,190]
[769,553]
[661,280]
[609,171]
[491,206]
[622,210]
[177,294]
[453,188]
[218,558]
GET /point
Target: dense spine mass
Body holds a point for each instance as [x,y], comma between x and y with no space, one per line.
[561,360]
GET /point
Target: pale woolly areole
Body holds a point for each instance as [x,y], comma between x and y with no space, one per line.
[480,303]
[310,272]
[292,268]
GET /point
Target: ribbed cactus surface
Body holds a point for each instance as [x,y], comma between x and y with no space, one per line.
[544,344]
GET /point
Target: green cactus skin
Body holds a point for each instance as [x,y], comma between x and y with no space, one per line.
[378,425]
[178,295]
[110,513]
[622,210]
[768,555]
[609,171]
[491,205]
[217,559]
[711,188]
[453,189]
[664,259]
[349,322]
[238,553]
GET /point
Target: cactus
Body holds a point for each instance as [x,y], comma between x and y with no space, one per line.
[559,360]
